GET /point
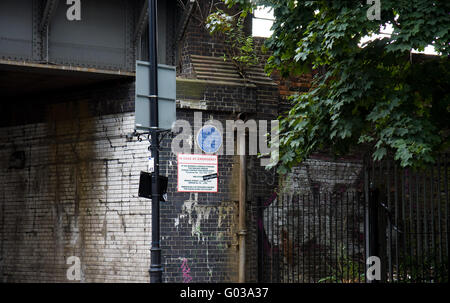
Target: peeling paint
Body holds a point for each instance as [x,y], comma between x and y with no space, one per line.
[210,272]
[202,213]
[223,213]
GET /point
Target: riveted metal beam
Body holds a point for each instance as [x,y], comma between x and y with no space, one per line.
[142,22]
[189,7]
[49,11]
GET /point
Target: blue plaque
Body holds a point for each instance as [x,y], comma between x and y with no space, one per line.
[209,139]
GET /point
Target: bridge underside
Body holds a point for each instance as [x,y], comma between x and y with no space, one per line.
[20,79]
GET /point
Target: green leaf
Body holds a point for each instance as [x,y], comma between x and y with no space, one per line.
[379,154]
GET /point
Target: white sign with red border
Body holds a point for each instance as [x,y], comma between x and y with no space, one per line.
[198,173]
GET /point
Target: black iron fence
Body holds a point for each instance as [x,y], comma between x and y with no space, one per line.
[413,221]
[312,238]
[400,216]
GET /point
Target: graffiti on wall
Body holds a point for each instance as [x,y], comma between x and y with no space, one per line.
[186,270]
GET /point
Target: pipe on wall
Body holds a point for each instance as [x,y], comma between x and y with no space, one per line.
[242,231]
[242,225]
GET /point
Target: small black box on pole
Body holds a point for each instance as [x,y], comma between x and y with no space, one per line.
[145,185]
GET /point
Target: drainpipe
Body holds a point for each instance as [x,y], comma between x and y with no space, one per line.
[242,199]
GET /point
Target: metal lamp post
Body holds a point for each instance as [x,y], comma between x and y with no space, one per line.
[155,266]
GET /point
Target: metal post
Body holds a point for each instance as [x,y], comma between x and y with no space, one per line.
[155,266]
[373,240]
[242,225]
[260,240]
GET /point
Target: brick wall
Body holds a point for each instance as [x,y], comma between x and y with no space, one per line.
[76,192]
[201,229]
[322,173]
[198,41]
[75,195]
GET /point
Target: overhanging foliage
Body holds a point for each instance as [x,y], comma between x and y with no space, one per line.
[377,96]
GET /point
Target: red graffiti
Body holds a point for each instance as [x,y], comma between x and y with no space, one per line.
[185,268]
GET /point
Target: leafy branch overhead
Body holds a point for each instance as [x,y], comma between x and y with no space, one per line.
[378,95]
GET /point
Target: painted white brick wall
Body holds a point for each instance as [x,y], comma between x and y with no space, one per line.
[76,196]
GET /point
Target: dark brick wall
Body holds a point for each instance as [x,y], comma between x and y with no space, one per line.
[198,41]
[202,228]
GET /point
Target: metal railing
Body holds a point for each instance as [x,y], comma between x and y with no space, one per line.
[401,216]
[312,238]
[413,221]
